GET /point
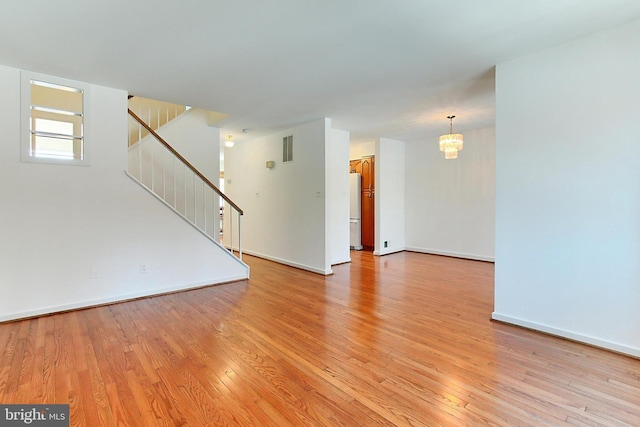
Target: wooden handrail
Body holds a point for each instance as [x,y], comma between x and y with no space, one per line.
[185,161]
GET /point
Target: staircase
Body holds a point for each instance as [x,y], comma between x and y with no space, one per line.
[172,179]
[154,113]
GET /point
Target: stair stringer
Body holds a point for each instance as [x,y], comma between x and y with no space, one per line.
[188,221]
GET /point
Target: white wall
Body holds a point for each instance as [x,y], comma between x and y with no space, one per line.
[450,204]
[389,196]
[568,190]
[285,212]
[337,174]
[195,140]
[359,149]
[61,223]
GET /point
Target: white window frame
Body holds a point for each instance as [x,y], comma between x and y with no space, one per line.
[25,119]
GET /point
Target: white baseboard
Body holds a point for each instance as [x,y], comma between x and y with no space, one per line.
[289,263]
[451,254]
[115,299]
[388,251]
[596,342]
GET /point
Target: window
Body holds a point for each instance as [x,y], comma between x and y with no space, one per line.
[54,120]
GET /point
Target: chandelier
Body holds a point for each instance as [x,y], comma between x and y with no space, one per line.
[451,143]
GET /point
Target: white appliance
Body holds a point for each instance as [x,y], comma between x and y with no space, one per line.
[354,211]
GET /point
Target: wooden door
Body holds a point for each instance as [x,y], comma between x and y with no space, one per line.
[366,168]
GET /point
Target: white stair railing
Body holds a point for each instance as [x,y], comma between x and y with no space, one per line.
[154,113]
[158,167]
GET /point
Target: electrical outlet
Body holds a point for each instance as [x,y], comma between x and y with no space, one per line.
[143,268]
[386,243]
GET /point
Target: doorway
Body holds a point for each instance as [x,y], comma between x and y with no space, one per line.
[366,168]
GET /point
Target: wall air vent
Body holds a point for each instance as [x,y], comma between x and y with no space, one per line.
[287,148]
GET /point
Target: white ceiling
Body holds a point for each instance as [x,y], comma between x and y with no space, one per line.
[377,68]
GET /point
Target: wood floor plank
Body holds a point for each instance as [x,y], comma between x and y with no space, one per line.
[404,339]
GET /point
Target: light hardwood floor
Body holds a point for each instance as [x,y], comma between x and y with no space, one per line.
[403,339]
